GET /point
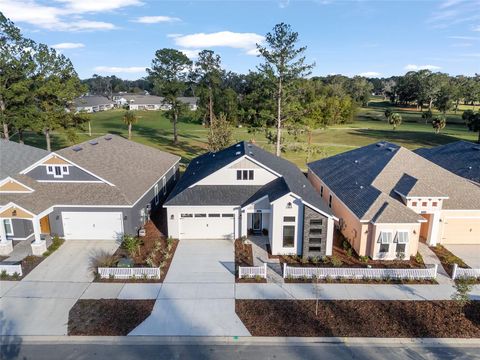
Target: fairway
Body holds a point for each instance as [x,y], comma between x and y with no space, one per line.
[154,129]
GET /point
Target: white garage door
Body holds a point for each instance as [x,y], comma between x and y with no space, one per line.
[92,225]
[207,226]
[461,231]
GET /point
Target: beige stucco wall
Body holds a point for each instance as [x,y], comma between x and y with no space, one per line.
[413,238]
[459,227]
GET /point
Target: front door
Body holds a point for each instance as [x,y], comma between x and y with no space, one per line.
[257,222]
[45,225]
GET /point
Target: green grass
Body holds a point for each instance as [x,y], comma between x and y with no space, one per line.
[370,125]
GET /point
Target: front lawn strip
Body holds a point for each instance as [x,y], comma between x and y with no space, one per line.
[360,318]
[244,257]
[447,259]
[107,317]
[153,250]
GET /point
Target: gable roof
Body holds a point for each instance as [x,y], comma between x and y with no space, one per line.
[460,157]
[92,100]
[369,179]
[15,157]
[291,178]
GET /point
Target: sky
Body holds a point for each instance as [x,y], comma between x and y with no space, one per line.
[351,37]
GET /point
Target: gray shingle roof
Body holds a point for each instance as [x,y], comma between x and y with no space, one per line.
[144,99]
[460,157]
[15,157]
[92,100]
[292,179]
[366,180]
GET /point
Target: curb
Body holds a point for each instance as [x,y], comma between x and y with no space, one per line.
[225,340]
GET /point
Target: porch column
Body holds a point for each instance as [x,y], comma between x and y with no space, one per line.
[6,246]
[244,229]
[433,233]
[39,246]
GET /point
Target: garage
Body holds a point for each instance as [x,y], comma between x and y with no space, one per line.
[458,230]
[207,226]
[92,225]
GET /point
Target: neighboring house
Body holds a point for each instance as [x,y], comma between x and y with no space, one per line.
[150,102]
[93,103]
[387,198]
[244,190]
[460,157]
[96,190]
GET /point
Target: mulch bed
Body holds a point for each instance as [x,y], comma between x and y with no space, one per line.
[107,317]
[360,318]
[244,257]
[152,236]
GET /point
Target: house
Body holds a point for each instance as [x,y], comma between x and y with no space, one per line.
[93,103]
[387,198]
[150,102]
[460,157]
[244,190]
[99,189]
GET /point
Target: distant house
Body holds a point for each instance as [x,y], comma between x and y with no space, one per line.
[387,198]
[460,157]
[149,102]
[93,103]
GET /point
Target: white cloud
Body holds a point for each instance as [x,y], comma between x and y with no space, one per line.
[462,37]
[120,70]
[412,67]
[191,53]
[63,15]
[476,28]
[245,41]
[370,74]
[461,45]
[173,35]
[451,12]
[68,46]
[156,19]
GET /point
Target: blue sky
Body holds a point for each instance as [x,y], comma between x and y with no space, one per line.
[376,38]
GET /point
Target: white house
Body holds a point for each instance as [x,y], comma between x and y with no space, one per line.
[244,190]
[93,103]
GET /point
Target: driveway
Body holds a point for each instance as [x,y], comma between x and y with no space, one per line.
[469,253]
[70,263]
[198,295]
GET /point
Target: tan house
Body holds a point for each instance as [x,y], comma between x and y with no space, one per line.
[387,198]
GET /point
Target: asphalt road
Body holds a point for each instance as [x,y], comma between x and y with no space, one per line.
[234,352]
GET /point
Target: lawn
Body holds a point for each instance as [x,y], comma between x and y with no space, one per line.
[154,129]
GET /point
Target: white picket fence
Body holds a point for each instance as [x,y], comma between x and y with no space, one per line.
[252,271]
[129,273]
[11,269]
[464,273]
[359,273]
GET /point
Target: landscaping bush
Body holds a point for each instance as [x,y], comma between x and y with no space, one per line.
[131,244]
[102,259]
[56,243]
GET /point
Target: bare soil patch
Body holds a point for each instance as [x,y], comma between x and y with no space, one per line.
[360,318]
[107,317]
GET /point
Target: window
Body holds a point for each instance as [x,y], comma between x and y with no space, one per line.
[214,215]
[414,203]
[50,170]
[245,175]
[321,191]
[186,215]
[434,203]
[316,231]
[316,222]
[164,185]
[402,237]
[314,249]
[155,192]
[330,201]
[384,248]
[401,248]
[289,218]
[7,223]
[200,215]
[58,171]
[65,170]
[227,215]
[174,173]
[385,237]
[424,203]
[288,236]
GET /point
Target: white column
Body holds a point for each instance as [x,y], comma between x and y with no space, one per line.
[3,234]
[36,230]
[243,228]
[39,246]
[6,246]
[434,226]
[330,231]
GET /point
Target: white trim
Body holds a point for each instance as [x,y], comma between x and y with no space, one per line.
[320,211]
[164,185]
[10,179]
[9,220]
[71,181]
[256,201]
[10,204]
[39,162]
[156,194]
[262,165]
[462,217]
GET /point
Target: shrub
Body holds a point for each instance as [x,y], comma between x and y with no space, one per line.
[131,244]
[102,259]
[336,261]
[150,261]
[349,252]
[463,287]
[363,259]
[346,245]
[56,243]
[315,260]
[304,260]
[419,258]
[401,256]
[4,275]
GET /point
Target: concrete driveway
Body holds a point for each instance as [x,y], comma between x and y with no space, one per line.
[71,262]
[198,295]
[469,253]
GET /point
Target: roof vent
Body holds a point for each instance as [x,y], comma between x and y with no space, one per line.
[249,145]
[238,145]
[93,142]
[238,153]
[380,144]
[108,137]
[213,155]
[356,161]
[476,148]
[76,148]
[251,153]
[361,186]
[469,168]
[391,149]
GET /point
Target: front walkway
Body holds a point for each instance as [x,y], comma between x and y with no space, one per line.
[260,257]
[198,295]
[430,258]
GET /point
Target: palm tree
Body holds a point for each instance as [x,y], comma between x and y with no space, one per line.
[129,118]
[395,120]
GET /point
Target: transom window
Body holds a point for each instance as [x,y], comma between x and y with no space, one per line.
[214,215]
[186,215]
[245,175]
[227,215]
[200,215]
